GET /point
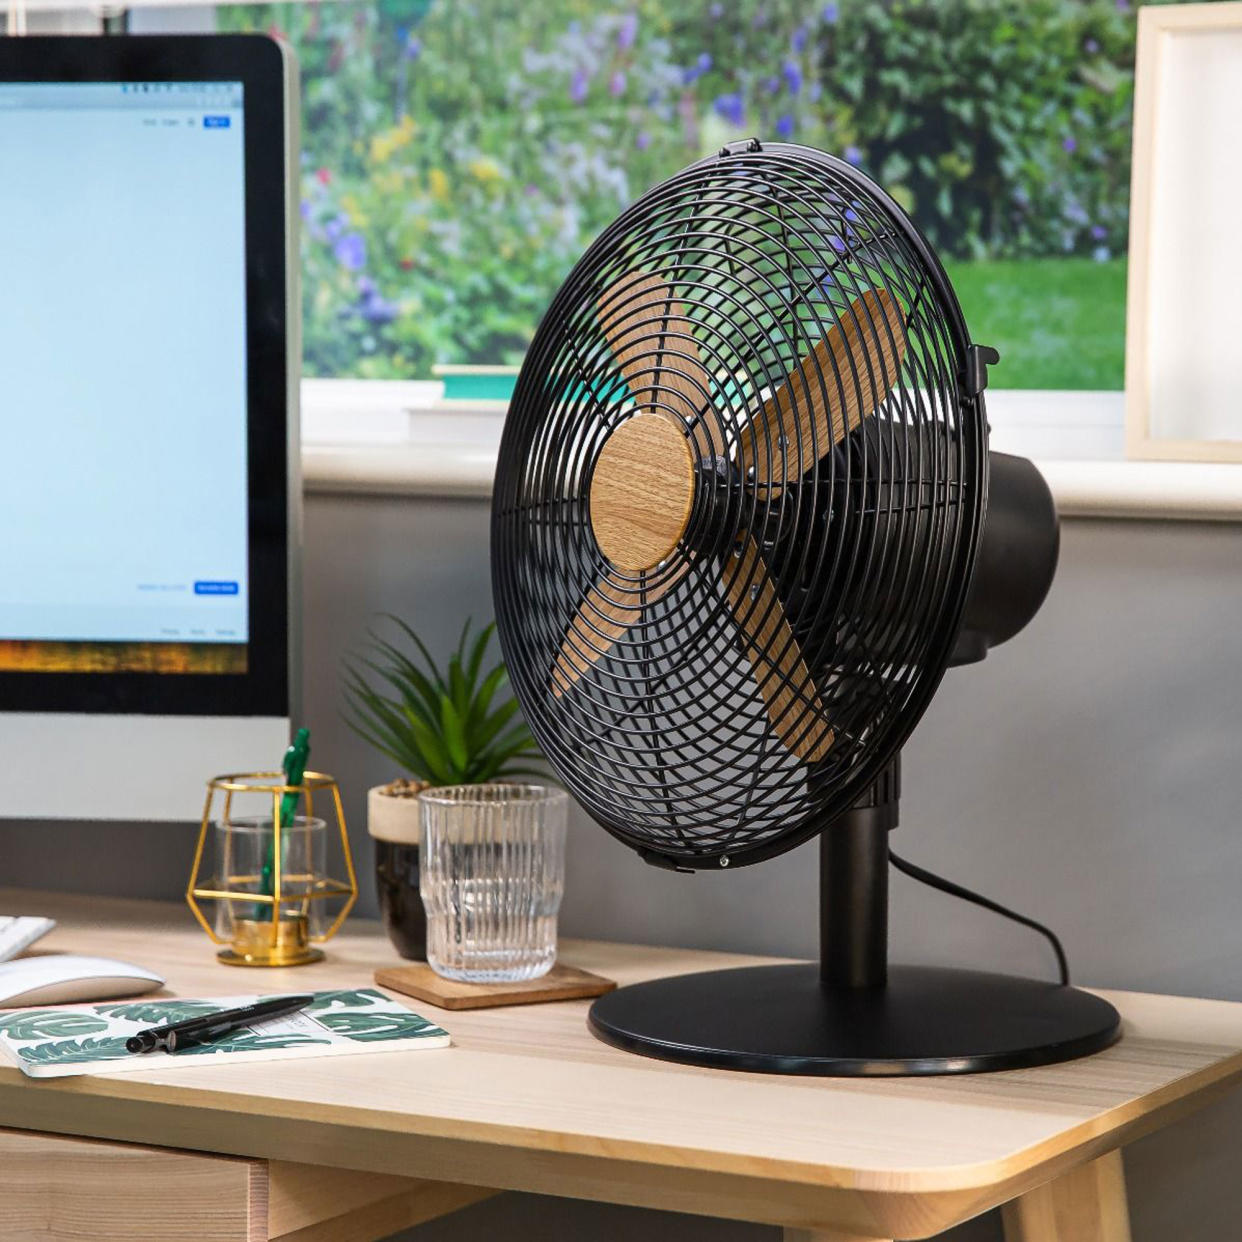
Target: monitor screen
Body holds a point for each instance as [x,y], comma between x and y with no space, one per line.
[149,341]
[123,351]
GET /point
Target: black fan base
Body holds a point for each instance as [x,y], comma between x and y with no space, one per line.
[783,1020]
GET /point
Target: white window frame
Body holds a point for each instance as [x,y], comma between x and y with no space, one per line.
[412,447]
[1044,423]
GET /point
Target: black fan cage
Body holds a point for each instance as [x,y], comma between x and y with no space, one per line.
[869,545]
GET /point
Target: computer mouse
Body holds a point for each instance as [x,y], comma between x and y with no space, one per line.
[62,978]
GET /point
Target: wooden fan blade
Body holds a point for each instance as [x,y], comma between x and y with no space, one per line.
[651,338]
[793,703]
[603,616]
[869,343]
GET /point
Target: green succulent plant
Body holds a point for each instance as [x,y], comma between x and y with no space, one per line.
[446,726]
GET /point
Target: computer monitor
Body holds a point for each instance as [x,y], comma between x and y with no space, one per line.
[149,362]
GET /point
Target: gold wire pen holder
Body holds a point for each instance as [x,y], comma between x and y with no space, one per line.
[269,880]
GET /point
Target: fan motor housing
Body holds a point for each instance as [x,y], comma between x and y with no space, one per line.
[1017,557]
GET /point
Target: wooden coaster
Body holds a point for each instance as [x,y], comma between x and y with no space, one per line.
[560,983]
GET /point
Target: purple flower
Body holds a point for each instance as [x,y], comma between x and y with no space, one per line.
[814,91]
[334,228]
[797,40]
[627,32]
[830,13]
[701,65]
[792,73]
[1069,145]
[1091,47]
[616,84]
[642,140]
[366,286]
[851,215]
[376,309]
[1100,254]
[853,155]
[772,85]
[1123,6]
[731,107]
[305,210]
[578,86]
[836,243]
[351,251]
[413,48]
[716,11]
[1099,232]
[785,125]
[530,189]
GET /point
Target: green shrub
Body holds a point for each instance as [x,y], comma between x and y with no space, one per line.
[460,154]
[444,724]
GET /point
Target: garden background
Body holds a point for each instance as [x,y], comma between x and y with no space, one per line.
[459,155]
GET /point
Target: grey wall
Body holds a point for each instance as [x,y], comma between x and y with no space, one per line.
[1089,773]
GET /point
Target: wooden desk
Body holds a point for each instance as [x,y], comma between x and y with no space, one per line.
[349,1149]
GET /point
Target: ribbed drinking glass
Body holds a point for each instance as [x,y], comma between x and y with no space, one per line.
[492,877]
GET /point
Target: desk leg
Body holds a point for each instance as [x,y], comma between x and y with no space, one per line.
[1087,1204]
[821,1235]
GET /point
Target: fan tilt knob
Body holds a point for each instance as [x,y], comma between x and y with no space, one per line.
[642,490]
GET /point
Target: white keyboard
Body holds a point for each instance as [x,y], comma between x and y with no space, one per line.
[19,932]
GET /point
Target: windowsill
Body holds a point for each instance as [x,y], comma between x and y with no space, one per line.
[394,448]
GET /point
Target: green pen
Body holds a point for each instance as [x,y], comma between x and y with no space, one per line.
[294,767]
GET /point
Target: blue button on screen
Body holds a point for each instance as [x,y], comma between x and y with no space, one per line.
[215,588]
[216,122]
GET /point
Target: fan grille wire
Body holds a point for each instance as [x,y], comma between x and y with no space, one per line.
[666,738]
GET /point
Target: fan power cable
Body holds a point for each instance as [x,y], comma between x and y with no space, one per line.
[957,890]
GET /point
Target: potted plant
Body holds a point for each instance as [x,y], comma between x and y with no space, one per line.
[450,725]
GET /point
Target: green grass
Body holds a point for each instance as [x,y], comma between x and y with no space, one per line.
[1058,323]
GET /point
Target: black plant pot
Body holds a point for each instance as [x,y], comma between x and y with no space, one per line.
[393,824]
[401,908]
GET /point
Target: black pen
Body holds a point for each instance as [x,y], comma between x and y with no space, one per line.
[209,1025]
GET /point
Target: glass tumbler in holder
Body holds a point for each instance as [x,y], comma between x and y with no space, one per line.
[245,846]
[493,873]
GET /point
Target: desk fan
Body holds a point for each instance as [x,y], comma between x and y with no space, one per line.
[744,518]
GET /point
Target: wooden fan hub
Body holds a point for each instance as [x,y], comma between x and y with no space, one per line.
[641,492]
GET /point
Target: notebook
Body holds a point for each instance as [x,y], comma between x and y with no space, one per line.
[90,1039]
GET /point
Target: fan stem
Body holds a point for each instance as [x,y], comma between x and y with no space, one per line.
[853,888]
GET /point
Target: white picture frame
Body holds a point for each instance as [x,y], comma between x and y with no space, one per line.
[1184,300]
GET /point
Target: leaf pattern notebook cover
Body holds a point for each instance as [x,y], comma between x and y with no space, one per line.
[90,1039]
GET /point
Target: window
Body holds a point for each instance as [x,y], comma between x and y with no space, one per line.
[459,156]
